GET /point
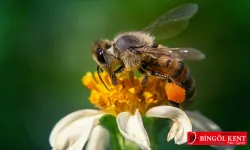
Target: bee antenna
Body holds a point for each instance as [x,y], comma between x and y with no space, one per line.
[98,69]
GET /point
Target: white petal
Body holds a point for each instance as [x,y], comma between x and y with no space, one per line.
[99,139]
[172,131]
[180,121]
[72,131]
[179,134]
[131,127]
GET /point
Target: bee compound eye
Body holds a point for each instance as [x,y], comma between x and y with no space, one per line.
[100,55]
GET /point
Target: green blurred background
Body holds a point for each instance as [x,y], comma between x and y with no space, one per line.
[45,50]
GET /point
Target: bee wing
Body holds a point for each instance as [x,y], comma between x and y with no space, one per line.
[173,53]
[172,22]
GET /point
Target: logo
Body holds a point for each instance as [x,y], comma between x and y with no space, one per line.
[192,137]
[217,138]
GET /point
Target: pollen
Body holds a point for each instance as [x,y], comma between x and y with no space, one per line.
[127,95]
[175,93]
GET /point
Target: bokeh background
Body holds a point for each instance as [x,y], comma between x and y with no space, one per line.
[45,51]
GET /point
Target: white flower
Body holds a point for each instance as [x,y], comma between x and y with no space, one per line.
[127,103]
[73,131]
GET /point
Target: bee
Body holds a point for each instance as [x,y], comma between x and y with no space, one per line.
[138,50]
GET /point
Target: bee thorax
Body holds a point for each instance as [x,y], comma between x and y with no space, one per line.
[131,60]
[126,41]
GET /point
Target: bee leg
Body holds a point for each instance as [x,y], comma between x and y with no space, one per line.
[144,82]
[174,104]
[113,76]
[170,102]
[114,79]
[158,74]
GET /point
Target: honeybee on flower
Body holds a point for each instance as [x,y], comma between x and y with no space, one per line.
[138,50]
[122,99]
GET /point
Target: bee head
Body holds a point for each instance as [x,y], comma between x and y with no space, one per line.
[99,52]
[104,59]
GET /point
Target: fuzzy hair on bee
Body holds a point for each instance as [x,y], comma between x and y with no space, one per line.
[125,44]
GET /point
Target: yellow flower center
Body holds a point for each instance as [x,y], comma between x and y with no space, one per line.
[127,95]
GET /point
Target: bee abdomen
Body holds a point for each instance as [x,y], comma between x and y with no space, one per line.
[179,69]
[187,82]
[191,89]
